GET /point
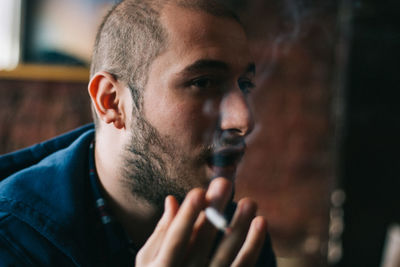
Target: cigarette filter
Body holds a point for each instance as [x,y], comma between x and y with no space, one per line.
[216,218]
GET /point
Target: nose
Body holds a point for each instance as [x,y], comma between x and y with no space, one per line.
[236,115]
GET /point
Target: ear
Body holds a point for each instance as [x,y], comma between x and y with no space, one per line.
[105,92]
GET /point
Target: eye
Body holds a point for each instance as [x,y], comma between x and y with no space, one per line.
[246,86]
[207,85]
[202,83]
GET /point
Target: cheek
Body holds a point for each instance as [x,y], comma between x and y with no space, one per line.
[189,123]
[189,120]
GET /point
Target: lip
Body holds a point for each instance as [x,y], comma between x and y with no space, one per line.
[226,157]
[224,161]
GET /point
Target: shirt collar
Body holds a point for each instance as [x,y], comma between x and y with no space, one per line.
[118,244]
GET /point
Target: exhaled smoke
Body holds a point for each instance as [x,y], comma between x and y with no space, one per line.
[274,26]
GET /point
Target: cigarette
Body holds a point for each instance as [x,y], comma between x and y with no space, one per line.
[216,218]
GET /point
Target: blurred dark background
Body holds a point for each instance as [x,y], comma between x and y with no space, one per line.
[370,155]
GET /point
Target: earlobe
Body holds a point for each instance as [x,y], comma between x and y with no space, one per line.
[104,91]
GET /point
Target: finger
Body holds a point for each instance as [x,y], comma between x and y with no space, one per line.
[249,253]
[232,242]
[219,192]
[170,209]
[150,249]
[180,230]
[218,195]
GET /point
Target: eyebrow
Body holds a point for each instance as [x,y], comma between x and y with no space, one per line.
[207,64]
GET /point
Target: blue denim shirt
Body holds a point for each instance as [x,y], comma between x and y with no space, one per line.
[47,216]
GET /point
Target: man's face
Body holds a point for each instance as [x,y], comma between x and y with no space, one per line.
[195,113]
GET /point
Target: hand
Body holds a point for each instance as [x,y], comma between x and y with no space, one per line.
[184,237]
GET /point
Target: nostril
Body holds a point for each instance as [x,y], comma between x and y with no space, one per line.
[232,137]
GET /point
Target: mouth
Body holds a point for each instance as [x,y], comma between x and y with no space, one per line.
[225,159]
[224,162]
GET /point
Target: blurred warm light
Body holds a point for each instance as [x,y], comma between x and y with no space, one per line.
[10,21]
[391,252]
[336,226]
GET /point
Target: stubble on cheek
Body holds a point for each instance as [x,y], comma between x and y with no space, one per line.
[154,167]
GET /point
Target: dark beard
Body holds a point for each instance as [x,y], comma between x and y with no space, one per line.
[145,170]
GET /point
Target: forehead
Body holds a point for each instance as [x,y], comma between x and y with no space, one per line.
[194,34]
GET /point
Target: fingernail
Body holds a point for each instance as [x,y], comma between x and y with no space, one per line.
[213,191]
[218,188]
[259,223]
[246,208]
[166,204]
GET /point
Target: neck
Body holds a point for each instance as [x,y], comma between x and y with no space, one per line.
[137,217]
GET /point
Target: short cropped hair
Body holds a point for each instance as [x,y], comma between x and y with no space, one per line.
[131,36]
